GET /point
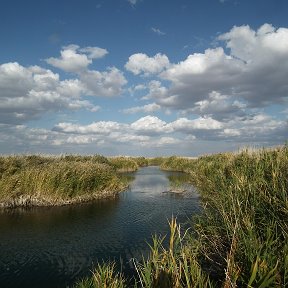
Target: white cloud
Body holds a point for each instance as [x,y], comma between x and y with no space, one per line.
[70,60]
[148,132]
[83,104]
[141,63]
[71,88]
[133,2]
[158,31]
[150,125]
[95,83]
[156,91]
[167,141]
[15,80]
[100,128]
[252,75]
[126,137]
[222,94]
[94,52]
[253,46]
[220,106]
[149,108]
[186,125]
[27,93]
[108,83]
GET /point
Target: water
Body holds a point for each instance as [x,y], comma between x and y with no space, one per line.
[53,247]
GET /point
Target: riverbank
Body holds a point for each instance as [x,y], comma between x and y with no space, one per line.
[239,240]
[53,181]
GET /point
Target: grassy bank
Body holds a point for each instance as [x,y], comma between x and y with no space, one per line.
[44,181]
[241,237]
[124,164]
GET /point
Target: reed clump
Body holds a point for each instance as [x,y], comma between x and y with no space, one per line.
[172,265]
[124,164]
[141,161]
[242,233]
[37,180]
[175,163]
[156,161]
[103,276]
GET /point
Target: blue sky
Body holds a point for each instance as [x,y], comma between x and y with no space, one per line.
[142,77]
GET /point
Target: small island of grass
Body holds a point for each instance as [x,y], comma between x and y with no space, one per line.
[34,180]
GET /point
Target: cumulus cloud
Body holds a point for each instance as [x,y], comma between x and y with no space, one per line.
[147,132]
[96,83]
[252,75]
[107,83]
[222,107]
[141,63]
[222,95]
[258,128]
[151,130]
[28,92]
[15,80]
[76,59]
[70,60]
[150,125]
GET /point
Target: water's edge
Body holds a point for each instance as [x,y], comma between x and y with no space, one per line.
[55,246]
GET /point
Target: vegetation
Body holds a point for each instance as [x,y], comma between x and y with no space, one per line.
[239,240]
[124,164]
[157,161]
[39,180]
[241,237]
[104,276]
[175,163]
[141,161]
[243,232]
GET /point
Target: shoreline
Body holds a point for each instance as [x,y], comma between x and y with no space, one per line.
[30,201]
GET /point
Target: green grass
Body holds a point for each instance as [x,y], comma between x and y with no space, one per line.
[239,240]
[103,276]
[241,237]
[38,180]
[124,164]
[242,234]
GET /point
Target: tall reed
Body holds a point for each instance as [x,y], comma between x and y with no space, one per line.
[37,180]
[124,164]
[242,233]
[103,276]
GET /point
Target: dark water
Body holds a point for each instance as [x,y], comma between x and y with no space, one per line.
[53,247]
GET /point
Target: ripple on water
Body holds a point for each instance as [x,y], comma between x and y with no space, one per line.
[52,247]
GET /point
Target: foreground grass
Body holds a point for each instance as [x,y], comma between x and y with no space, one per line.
[241,237]
[104,276]
[37,180]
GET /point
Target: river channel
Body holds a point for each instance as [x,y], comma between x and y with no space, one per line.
[53,247]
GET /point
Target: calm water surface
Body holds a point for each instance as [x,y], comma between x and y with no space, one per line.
[53,247]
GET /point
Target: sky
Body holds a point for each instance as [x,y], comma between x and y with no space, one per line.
[142,77]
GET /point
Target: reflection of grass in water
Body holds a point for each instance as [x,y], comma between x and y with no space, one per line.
[178,182]
[126,178]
